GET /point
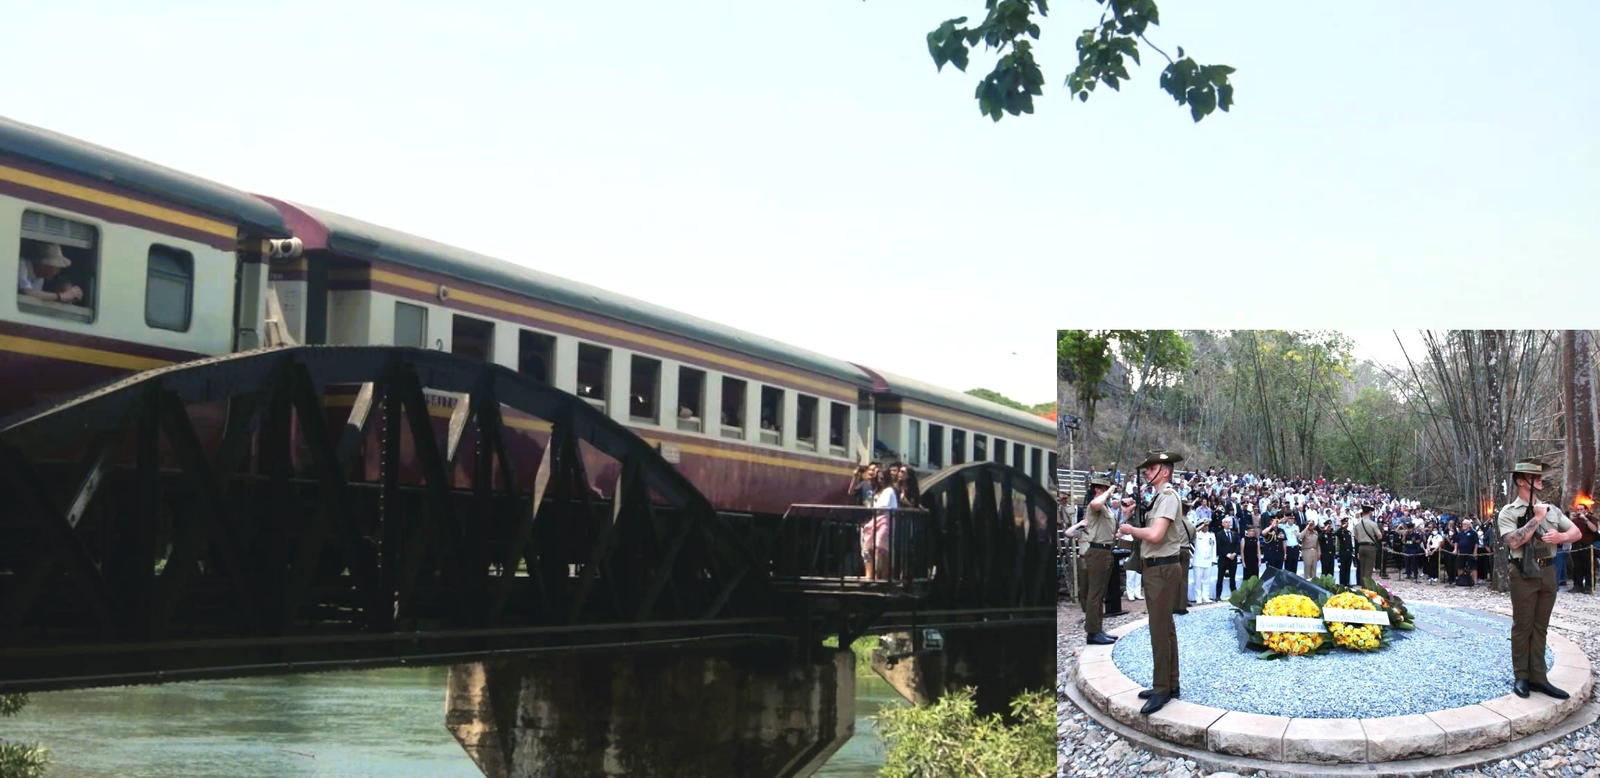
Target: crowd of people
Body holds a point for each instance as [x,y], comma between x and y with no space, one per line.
[1245,522]
[886,489]
[1200,529]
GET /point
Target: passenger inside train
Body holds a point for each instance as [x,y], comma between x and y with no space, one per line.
[42,274]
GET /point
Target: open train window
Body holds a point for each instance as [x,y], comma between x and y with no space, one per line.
[410,325]
[472,338]
[644,390]
[1034,465]
[914,443]
[691,399]
[805,422]
[536,352]
[935,445]
[772,415]
[838,424]
[594,363]
[733,400]
[1019,456]
[169,289]
[1055,462]
[958,447]
[980,447]
[999,451]
[58,264]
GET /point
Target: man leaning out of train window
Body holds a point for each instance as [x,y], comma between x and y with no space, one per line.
[33,276]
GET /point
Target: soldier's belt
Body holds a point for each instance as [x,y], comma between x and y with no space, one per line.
[1159,561]
[1106,546]
[1544,561]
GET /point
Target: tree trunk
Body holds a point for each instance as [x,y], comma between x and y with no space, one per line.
[1497,350]
[1579,392]
[1138,397]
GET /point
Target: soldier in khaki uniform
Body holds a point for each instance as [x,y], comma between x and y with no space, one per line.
[1166,582]
[1367,536]
[1531,531]
[1096,536]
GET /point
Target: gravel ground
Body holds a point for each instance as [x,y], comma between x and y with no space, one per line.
[1340,684]
[1087,749]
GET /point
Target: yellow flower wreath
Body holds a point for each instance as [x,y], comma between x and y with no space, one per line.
[1360,637]
[1293,643]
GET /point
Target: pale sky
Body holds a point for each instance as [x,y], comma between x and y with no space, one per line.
[799,169]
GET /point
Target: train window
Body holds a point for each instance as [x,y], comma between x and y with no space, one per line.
[472,338]
[1019,456]
[691,399]
[57,267]
[999,451]
[1034,465]
[536,352]
[644,390]
[594,363]
[772,415]
[805,434]
[958,447]
[935,445]
[914,442]
[410,325]
[1055,462]
[838,424]
[169,289]
[733,400]
[980,447]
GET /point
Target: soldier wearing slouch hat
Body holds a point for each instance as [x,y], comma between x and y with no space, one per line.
[1166,583]
[1531,530]
[1096,536]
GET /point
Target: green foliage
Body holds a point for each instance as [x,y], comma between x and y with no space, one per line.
[1083,358]
[16,759]
[862,648]
[1103,51]
[999,399]
[1169,353]
[949,739]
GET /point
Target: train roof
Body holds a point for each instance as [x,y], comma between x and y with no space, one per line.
[890,383]
[126,172]
[350,237]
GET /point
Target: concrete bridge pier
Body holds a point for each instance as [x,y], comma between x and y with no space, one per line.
[999,663]
[681,714]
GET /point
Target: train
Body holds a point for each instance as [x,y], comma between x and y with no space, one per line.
[163,268]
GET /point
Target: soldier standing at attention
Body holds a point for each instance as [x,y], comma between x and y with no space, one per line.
[1094,574]
[1532,530]
[1367,536]
[1165,579]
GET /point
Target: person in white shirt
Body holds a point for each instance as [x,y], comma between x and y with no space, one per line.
[32,275]
[1205,564]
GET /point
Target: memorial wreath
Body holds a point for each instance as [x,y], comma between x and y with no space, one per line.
[1281,614]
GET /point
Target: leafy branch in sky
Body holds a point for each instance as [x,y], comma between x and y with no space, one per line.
[1103,51]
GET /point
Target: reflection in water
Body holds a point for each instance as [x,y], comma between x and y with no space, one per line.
[387,723]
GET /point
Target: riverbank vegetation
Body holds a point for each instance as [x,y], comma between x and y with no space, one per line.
[19,760]
[949,739]
[862,648]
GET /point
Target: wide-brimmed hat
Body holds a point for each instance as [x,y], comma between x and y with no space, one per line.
[1160,457]
[1100,480]
[1530,466]
[1363,508]
[52,257]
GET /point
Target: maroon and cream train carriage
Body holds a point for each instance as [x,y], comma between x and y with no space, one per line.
[170,264]
[755,424]
[173,269]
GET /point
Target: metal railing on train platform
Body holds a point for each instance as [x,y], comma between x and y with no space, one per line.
[830,546]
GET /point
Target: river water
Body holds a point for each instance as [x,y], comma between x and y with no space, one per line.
[387,723]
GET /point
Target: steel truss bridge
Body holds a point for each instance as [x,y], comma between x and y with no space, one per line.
[211,519]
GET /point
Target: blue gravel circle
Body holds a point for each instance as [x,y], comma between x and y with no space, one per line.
[1448,666]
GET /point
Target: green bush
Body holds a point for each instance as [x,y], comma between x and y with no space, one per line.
[862,648]
[949,739]
[18,760]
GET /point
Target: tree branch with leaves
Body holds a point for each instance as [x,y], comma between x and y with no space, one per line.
[1103,52]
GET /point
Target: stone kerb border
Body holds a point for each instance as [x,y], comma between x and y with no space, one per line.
[1332,741]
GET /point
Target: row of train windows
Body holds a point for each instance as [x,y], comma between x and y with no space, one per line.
[1022,457]
[473,338]
[58,274]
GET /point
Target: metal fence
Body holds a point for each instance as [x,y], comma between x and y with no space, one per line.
[830,545]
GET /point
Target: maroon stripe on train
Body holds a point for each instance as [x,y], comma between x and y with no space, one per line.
[115,215]
[24,330]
